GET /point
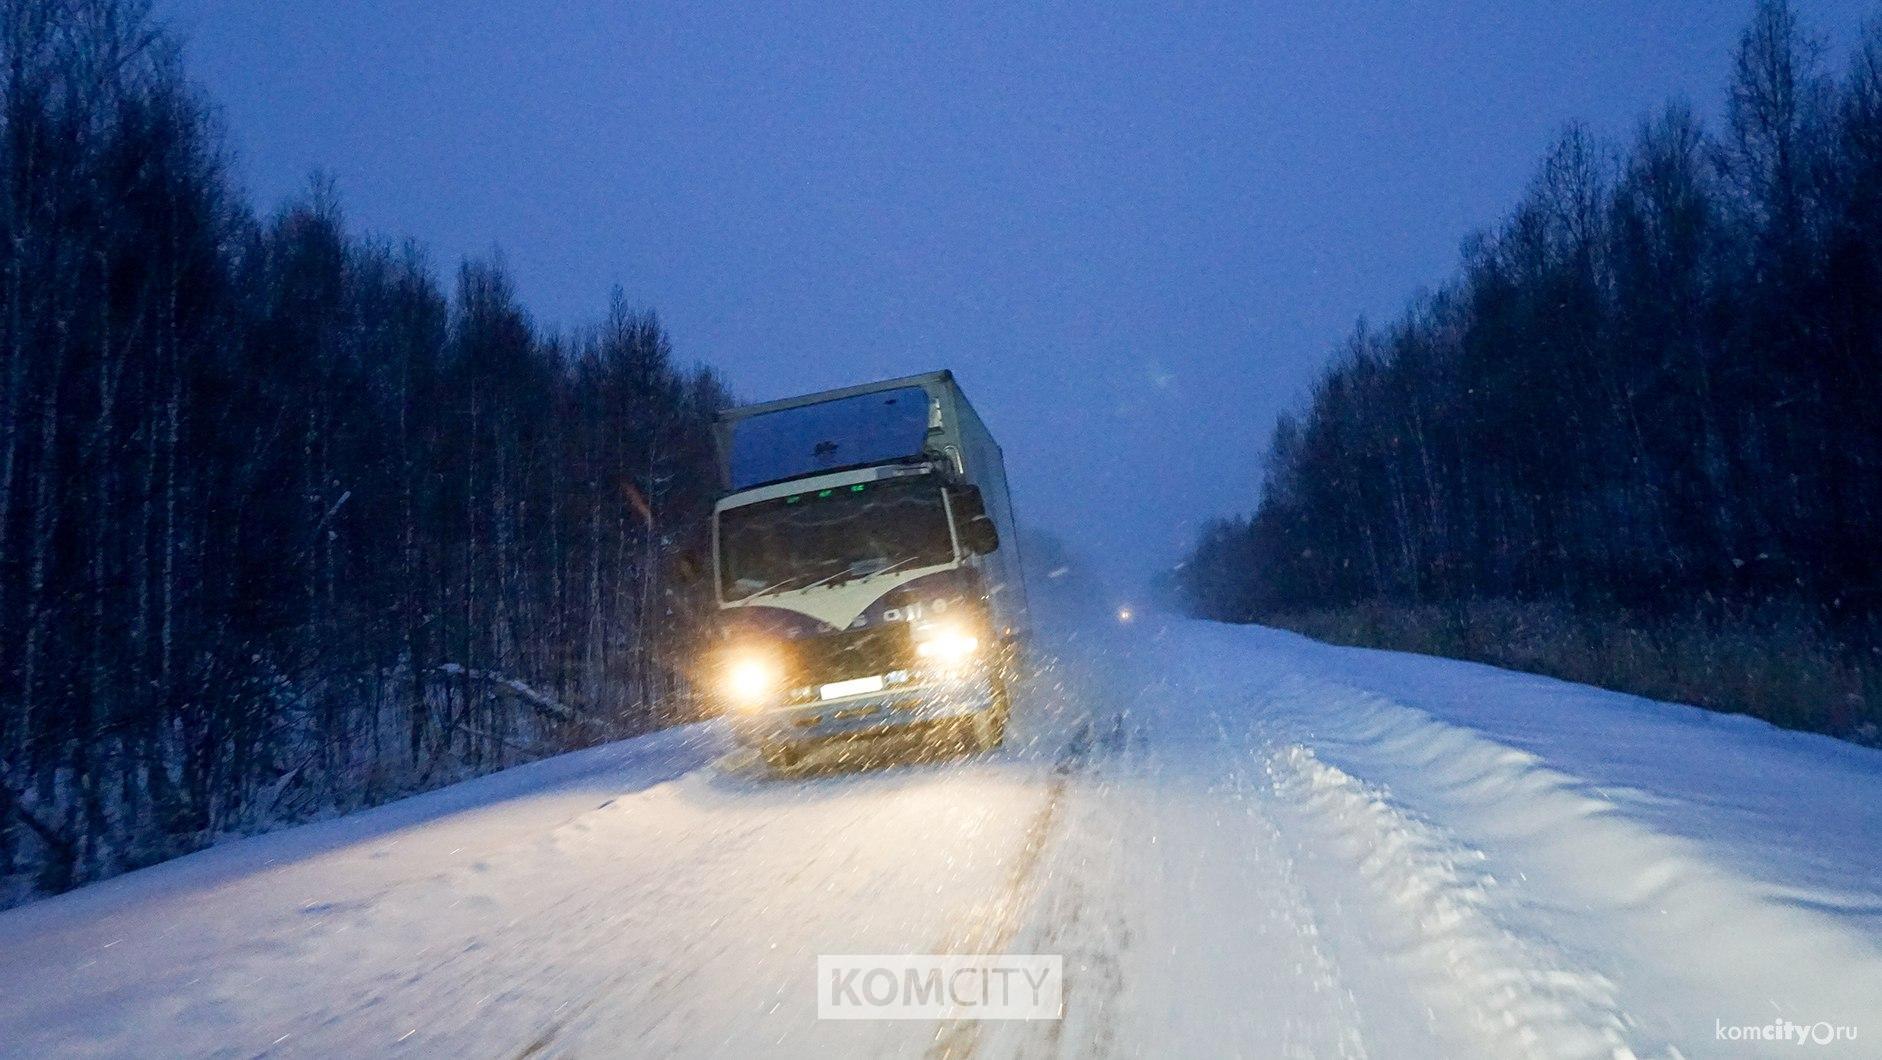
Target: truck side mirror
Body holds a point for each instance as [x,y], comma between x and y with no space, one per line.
[978,534]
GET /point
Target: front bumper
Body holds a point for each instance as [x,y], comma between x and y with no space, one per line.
[876,713]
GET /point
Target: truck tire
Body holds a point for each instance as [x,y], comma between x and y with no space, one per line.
[982,731]
[987,729]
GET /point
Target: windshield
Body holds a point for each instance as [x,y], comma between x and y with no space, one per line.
[832,535]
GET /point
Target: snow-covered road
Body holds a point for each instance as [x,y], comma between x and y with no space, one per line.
[1241,842]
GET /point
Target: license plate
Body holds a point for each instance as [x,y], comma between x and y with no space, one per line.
[839,689]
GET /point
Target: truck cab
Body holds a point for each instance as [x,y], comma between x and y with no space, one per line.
[866,570]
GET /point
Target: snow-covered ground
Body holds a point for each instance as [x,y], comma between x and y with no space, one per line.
[1242,842]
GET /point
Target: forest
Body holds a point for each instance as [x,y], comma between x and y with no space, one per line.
[287,526]
[1637,438]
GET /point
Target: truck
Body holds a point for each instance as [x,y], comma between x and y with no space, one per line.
[867,570]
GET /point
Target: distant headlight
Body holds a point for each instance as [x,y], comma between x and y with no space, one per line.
[946,645]
[751,680]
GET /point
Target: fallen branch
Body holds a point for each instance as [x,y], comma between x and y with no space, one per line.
[519,689]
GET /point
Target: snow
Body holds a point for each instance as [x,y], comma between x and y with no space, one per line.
[1241,841]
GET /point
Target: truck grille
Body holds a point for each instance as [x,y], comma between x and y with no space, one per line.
[853,653]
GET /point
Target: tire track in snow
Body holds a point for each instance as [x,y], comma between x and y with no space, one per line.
[994,930]
[1677,932]
[1073,918]
[630,991]
[1434,907]
[1167,892]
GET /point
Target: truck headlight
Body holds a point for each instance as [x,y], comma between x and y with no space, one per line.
[946,645]
[750,680]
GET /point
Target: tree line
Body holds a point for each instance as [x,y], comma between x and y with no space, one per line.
[1655,388]
[285,528]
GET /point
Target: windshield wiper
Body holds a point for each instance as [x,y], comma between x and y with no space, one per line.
[851,569]
[779,586]
[773,587]
[897,565]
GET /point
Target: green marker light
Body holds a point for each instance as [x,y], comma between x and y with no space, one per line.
[825,493]
[858,488]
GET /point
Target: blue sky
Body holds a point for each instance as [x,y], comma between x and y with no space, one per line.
[1135,231]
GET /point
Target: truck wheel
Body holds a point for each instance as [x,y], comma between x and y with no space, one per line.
[1002,697]
[778,756]
[987,729]
[993,729]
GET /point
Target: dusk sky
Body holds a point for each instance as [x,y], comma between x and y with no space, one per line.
[1135,231]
